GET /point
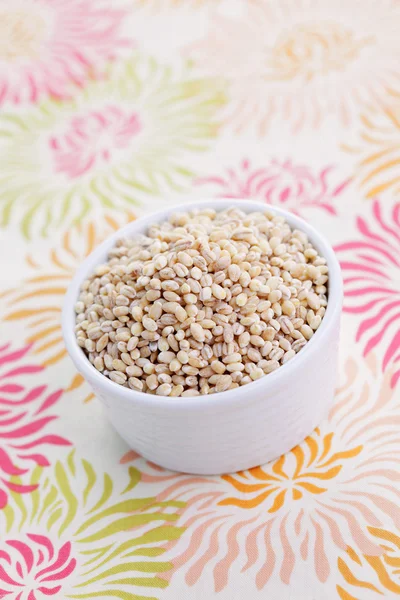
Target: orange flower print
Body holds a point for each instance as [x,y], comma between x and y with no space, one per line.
[309,505]
[308,468]
[371,577]
[36,303]
[376,148]
[301,61]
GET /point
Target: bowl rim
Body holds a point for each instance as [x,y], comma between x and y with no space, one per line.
[277,377]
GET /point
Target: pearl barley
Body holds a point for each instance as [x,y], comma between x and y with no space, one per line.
[203,303]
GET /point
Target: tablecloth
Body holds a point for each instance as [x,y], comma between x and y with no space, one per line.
[113,109]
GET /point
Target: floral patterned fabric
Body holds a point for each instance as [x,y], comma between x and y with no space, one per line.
[110,110]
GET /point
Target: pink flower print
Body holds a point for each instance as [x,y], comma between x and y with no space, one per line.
[91,139]
[280,183]
[31,568]
[371,268]
[49,46]
[24,418]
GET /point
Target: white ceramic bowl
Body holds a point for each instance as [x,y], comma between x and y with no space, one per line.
[232,430]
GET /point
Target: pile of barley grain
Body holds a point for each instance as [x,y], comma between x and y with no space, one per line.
[205,302]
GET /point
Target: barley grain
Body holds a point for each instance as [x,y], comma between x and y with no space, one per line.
[164,389]
[223,383]
[117,377]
